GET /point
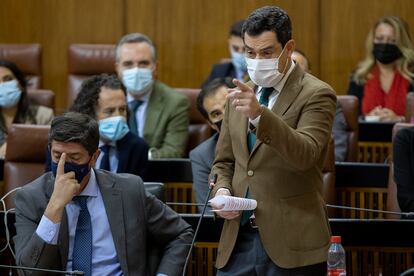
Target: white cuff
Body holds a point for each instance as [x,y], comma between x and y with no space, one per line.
[48,231]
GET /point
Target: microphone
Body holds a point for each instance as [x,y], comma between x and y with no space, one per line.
[17,267]
[213,180]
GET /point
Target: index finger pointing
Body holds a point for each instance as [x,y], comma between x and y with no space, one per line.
[242,86]
[61,164]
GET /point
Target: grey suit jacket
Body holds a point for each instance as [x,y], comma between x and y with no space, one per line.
[202,158]
[135,217]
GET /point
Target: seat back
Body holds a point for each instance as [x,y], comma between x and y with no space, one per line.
[156,189]
[409,108]
[350,107]
[25,158]
[28,57]
[328,172]
[86,60]
[42,97]
[392,200]
[199,130]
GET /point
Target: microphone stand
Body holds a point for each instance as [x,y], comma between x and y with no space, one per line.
[213,180]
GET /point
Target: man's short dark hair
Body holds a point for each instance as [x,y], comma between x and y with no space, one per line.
[269,18]
[77,128]
[86,101]
[210,89]
[236,28]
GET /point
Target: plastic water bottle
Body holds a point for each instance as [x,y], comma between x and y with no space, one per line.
[336,258]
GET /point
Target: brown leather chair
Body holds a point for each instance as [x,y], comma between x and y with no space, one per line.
[42,97]
[199,130]
[28,57]
[25,157]
[392,200]
[409,107]
[350,107]
[328,172]
[86,60]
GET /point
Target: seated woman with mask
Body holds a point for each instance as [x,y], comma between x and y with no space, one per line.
[103,98]
[382,80]
[14,103]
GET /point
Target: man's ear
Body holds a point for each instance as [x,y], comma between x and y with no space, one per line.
[95,157]
[118,70]
[290,47]
[155,71]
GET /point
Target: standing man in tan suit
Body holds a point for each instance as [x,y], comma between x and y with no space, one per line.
[272,148]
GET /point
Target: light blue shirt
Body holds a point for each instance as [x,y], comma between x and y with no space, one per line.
[104,257]
[141,113]
[113,157]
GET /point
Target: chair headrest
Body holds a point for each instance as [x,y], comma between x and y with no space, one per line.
[91,59]
[27,143]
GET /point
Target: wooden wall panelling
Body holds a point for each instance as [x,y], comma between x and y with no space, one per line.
[55,25]
[344,27]
[192,35]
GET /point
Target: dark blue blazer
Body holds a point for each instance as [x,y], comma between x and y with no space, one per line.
[221,70]
[132,155]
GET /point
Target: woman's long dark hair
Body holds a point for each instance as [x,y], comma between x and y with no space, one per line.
[24,113]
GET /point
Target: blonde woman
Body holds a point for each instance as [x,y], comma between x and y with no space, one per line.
[381,81]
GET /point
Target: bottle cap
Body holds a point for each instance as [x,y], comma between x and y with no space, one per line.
[336,239]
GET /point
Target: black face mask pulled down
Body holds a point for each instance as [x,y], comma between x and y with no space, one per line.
[386,53]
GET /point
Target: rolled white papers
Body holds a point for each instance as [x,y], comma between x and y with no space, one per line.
[232,203]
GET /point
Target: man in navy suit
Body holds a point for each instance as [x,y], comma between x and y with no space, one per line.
[235,68]
[103,98]
[210,102]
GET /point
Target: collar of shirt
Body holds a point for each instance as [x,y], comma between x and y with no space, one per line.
[280,84]
[91,188]
[144,98]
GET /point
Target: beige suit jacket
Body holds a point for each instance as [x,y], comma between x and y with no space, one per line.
[283,172]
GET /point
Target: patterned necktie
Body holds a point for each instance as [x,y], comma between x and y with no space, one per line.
[82,249]
[251,140]
[105,163]
[132,122]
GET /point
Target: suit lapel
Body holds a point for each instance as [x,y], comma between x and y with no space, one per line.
[289,92]
[286,97]
[112,198]
[153,113]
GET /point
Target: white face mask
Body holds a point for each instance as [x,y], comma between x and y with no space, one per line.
[137,80]
[264,72]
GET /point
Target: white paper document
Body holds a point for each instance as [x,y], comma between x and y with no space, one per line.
[232,203]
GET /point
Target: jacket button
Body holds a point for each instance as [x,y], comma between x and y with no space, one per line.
[267,140]
[250,173]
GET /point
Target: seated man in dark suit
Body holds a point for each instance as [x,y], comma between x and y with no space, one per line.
[210,102]
[91,220]
[235,68]
[103,98]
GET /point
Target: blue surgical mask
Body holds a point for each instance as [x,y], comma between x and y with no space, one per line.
[238,60]
[136,80]
[10,93]
[80,170]
[113,128]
